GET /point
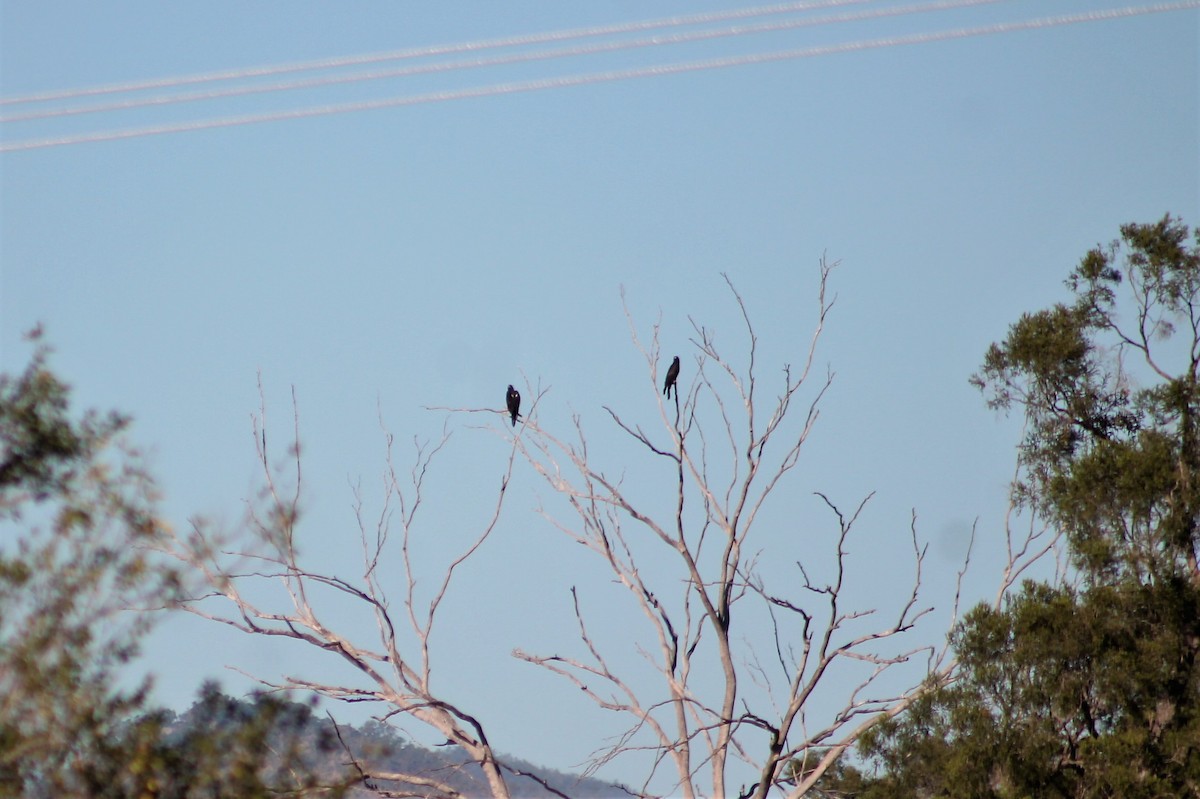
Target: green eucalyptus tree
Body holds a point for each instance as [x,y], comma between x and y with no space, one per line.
[1089,686]
[73,514]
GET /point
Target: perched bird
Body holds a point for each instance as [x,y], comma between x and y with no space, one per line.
[514,403]
[672,374]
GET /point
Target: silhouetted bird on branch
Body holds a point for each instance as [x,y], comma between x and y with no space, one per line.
[514,403]
[672,375]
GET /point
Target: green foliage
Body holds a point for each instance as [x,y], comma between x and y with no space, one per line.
[266,747]
[1110,391]
[1090,689]
[75,521]
[1060,694]
[78,531]
[42,449]
[840,781]
[222,747]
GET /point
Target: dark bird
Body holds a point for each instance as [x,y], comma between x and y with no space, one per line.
[514,403]
[672,374]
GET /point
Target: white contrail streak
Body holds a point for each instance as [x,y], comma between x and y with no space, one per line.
[603,77]
[434,50]
[541,55]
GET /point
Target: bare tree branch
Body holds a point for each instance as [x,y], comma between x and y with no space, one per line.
[722,419]
[740,656]
[396,670]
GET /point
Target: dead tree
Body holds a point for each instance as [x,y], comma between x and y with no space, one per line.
[396,667]
[728,451]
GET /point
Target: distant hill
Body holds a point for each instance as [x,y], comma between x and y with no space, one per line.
[322,747]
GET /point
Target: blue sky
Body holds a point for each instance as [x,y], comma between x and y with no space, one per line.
[427,255]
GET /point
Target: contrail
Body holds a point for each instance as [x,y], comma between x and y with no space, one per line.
[604,77]
[433,50]
[541,55]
